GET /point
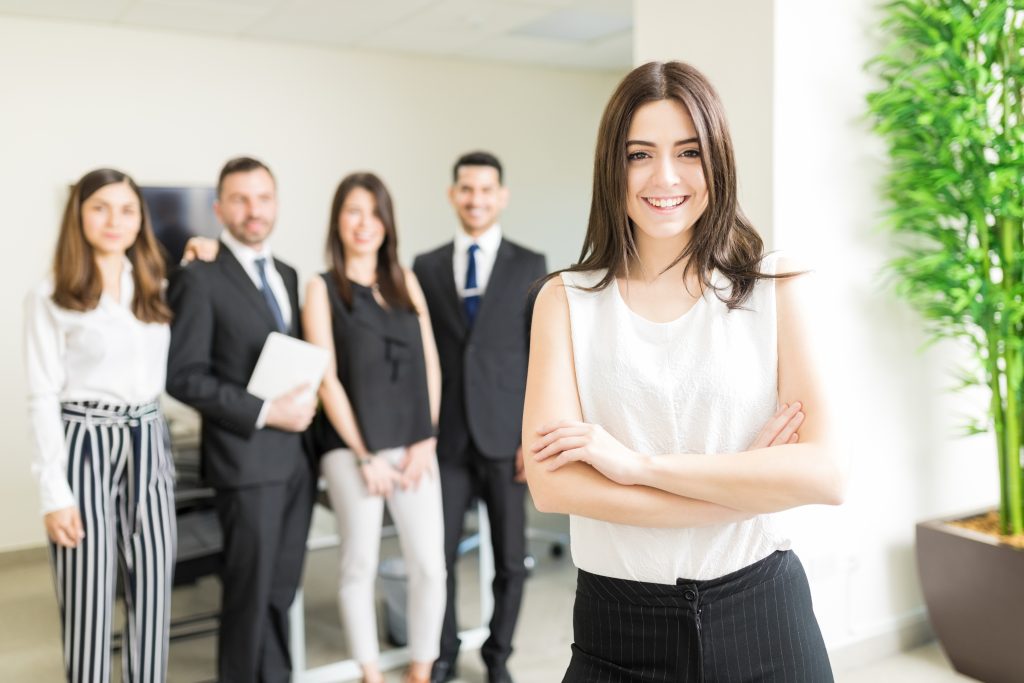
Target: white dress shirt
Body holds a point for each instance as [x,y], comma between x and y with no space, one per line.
[106,354]
[488,243]
[247,256]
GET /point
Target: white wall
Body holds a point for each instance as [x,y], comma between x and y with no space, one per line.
[906,462]
[731,42]
[170,108]
[897,421]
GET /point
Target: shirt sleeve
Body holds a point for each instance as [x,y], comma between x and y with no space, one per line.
[261,421]
[44,363]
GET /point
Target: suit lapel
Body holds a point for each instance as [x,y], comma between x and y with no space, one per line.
[491,299]
[237,275]
[293,297]
[446,276]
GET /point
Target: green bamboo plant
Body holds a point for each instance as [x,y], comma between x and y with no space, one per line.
[951,114]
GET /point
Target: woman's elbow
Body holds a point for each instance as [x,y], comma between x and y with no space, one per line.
[545,499]
[542,502]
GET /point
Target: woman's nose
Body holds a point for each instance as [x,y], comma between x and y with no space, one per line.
[667,172]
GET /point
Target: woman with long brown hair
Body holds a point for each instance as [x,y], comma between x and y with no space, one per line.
[673,404]
[380,404]
[96,355]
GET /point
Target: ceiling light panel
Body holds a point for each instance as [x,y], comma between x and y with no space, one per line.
[450,25]
[333,22]
[578,25]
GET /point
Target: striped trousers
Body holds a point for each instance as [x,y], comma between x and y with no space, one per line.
[755,625]
[121,472]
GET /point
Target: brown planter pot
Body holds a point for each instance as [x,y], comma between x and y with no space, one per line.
[974,588]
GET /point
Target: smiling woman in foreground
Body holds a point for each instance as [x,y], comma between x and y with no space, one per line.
[673,404]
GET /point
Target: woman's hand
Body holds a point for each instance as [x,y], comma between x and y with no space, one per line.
[781,429]
[379,476]
[571,441]
[420,459]
[64,526]
[200,249]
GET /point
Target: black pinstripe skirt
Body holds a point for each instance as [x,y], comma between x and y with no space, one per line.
[753,625]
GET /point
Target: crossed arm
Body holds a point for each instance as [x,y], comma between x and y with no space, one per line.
[578,468]
[378,474]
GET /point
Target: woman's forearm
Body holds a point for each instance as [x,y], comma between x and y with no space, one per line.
[578,489]
[756,481]
[341,416]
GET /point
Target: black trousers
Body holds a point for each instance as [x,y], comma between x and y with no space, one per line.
[265,529]
[493,481]
[751,626]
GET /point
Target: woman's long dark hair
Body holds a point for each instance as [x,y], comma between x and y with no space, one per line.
[390,277]
[722,238]
[77,281]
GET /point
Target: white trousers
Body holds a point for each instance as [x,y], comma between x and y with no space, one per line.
[420,522]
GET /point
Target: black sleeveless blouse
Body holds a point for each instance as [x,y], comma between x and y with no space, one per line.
[379,357]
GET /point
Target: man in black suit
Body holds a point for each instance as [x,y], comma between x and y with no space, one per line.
[253,451]
[478,292]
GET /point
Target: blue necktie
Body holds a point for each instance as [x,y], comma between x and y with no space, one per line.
[268,294]
[471,302]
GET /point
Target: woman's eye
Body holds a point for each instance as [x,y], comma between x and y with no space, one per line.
[691,153]
[635,156]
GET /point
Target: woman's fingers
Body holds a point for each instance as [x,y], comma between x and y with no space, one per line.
[578,429]
[560,445]
[550,427]
[75,527]
[566,457]
[781,419]
[788,430]
[63,537]
[780,427]
[411,481]
[764,437]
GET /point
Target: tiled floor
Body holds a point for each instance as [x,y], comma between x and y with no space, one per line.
[29,649]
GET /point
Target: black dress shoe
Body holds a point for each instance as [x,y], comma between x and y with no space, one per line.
[443,671]
[498,674]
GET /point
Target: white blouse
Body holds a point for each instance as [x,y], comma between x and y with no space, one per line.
[703,383]
[106,354]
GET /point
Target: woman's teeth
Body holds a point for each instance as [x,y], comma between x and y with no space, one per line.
[665,203]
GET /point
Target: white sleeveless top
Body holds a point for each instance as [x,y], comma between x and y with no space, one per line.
[703,383]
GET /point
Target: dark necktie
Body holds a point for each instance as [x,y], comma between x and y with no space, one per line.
[268,294]
[471,302]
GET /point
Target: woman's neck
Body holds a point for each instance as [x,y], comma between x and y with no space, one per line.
[655,256]
[361,269]
[111,266]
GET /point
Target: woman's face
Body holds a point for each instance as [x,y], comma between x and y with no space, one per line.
[665,187]
[360,229]
[111,218]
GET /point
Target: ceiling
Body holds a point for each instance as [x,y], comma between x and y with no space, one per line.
[589,34]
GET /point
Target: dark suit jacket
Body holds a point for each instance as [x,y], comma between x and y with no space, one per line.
[220,324]
[483,370]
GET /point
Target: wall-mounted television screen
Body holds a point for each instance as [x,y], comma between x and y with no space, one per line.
[179,213]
